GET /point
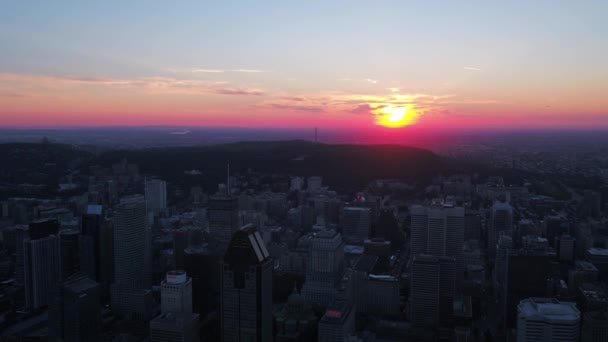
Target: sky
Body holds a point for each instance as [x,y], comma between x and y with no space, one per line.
[364,64]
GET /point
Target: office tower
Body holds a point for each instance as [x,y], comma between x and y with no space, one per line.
[68,249]
[156,195]
[75,313]
[204,268]
[21,234]
[96,247]
[180,243]
[504,245]
[527,274]
[246,306]
[554,226]
[42,269]
[472,225]
[223,214]
[325,267]
[547,319]
[338,322]
[355,223]
[176,323]
[583,272]
[439,231]
[387,227]
[176,293]
[132,258]
[565,248]
[431,291]
[314,183]
[374,294]
[43,228]
[501,220]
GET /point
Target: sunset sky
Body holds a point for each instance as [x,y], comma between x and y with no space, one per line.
[446,64]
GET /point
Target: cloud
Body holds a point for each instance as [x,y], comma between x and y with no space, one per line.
[239,91]
[152,84]
[472,68]
[393,90]
[213,71]
[370,80]
[304,108]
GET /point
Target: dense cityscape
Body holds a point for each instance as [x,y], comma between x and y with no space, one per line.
[117,253]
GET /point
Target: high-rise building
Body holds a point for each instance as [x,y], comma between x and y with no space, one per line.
[325,267]
[501,220]
[223,214]
[566,248]
[439,231]
[547,319]
[42,269]
[338,322]
[177,322]
[246,306]
[156,195]
[68,249]
[432,291]
[75,313]
[355,223]
[132,258]
[176,293]
[96,247]
[180,243]
[595,326]
[204,267]
[21,234]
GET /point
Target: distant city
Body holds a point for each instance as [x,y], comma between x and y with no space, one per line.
[485,242]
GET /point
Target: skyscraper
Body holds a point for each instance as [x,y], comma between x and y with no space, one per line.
[42,270]
[132,258]
[325,267]
[68,249]
[547,319]
[431,291]
[439,231]
[156,195]
[501,220]
[75,313]
[176,293]
[246,307]
[356,224]
[223,217]
[96,247]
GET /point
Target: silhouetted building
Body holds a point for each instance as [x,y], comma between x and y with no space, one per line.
[432,291]
[204,267]
[355,223]
[501,220]
[325,267]
[68,249]
[96,247]
[42,270]
[156,195]
[131,293]
[246,306]
[223,214]
[75,314]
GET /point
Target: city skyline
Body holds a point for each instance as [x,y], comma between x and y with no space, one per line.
[343,65]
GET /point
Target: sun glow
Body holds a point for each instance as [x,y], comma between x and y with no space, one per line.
[395,116]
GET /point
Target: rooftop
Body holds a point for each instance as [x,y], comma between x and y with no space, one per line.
[548,308]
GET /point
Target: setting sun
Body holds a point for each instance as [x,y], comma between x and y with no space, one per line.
[394,116]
